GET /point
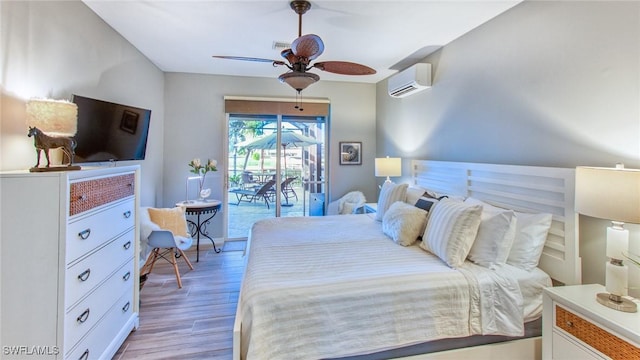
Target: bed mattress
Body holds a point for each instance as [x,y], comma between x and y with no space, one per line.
[323,287]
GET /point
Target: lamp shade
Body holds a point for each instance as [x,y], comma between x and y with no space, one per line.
[608,193]
[53,117]
[388,166]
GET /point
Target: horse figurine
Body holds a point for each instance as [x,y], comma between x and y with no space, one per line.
[45,142]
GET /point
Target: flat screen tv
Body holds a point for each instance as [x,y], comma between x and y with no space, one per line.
[110,132]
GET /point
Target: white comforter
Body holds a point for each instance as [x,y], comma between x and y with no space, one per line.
[319,287]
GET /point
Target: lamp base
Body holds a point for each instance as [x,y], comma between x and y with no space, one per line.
[55,168]
[617,302]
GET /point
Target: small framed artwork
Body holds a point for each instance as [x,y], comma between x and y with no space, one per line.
[351,153]
[129,121]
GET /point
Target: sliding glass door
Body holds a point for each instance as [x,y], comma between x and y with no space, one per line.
[276,167]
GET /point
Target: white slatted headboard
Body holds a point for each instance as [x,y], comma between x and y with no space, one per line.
[521,188]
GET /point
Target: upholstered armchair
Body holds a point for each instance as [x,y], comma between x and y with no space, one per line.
[351,203]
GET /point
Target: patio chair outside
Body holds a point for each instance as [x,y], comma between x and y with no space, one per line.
[287,189]
[248,181]
[265,192]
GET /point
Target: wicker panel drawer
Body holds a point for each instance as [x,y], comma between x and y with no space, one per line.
[89,194]
[594,336]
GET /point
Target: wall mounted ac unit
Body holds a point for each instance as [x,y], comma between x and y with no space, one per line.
[410,81]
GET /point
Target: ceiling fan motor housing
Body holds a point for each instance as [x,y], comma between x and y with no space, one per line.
[300,6]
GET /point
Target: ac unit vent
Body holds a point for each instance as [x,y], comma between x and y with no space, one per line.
[410,81]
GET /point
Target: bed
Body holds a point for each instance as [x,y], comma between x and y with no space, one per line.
[353,293]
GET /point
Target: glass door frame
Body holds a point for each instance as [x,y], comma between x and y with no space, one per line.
[324,181]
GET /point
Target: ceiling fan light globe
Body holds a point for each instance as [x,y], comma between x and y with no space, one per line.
[298,80]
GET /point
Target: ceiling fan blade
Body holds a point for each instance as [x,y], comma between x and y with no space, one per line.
[309,46]
[344,68]
[244,58]
[288,54]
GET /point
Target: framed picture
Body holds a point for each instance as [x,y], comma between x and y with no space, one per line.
[129,121]
[351,153]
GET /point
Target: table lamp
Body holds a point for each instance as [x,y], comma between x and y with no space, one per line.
[388,167]
[614,194]
[52,123]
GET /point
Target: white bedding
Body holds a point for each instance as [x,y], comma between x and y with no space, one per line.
[318,287]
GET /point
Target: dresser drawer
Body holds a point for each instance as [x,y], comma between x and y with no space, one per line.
[93,269]
[88,312]
[88,194]
[93,345]
[88,233]
[593,335]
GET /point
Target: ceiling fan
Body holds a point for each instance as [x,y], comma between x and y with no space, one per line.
[303,50]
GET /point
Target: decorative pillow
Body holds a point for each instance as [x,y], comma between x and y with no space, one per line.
[451,229]
[414,193]
[171,219]
[495,236]
[531,234]
[404,223]
[389,194]
[420,198]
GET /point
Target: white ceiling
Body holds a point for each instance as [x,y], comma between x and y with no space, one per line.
[181,36]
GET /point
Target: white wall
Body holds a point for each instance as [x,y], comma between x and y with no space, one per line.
[59,48]
[548,83]
[195,127]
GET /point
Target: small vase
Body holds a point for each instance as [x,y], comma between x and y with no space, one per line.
[205,193]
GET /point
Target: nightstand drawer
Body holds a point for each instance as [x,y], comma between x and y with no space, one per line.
[594,336]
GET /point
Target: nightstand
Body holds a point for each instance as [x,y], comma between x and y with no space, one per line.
[576,326]
[370,208]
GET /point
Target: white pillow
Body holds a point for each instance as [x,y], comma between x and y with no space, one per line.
[404,223]
[531,234]
[451,229]
[495,236]
[389,194]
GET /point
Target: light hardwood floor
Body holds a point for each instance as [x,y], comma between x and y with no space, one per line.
[195,322]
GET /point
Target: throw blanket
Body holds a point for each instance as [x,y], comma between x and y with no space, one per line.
[318,287]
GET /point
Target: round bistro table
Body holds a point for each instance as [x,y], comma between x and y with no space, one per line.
[204,211]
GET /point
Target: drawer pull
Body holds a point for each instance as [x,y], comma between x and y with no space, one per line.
[84,275]
[127,214]
[84,234]
[126,306]
[83,317]
[85,355]
[127,245]
[569,323]
[126,276]
[82,197]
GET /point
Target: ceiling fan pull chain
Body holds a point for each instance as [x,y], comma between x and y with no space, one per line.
[298,101]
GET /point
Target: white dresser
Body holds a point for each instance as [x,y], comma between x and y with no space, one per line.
[576,326]
[69,265]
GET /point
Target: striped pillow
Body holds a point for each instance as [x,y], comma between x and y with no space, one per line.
[451,229]
[389,194]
